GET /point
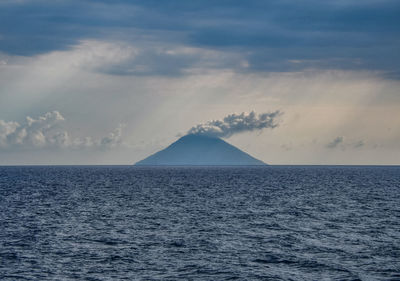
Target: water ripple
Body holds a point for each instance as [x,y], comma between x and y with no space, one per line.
[129,223]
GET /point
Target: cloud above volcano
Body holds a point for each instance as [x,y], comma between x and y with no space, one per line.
[237,123]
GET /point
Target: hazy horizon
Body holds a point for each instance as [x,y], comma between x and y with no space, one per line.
[112,82]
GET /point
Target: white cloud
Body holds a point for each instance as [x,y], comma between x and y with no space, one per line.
[139,59]
[98,55]
[45,132]
[7,129]
[114,139]
[237,123]
[318,105]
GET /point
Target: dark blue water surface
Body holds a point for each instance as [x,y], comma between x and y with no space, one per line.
[266,223]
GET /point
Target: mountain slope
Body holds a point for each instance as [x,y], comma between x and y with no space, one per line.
[196,150]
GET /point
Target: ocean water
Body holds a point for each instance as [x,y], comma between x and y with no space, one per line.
[200,223]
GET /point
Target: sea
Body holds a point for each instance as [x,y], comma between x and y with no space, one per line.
[200,223]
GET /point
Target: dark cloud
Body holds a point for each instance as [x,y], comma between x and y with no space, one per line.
[340,142]
[359,144]
[272,35]
[335,143]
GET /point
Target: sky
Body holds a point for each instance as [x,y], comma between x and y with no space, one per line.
[110,82]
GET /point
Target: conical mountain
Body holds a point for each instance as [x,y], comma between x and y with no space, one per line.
[198,150]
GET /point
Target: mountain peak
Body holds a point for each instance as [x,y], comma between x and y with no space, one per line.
[200,150]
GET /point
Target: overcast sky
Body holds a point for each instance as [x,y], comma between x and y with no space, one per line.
[110,82]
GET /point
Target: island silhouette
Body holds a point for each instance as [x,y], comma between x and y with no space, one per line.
[200,150]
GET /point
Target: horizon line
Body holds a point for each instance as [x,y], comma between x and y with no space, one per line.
[216,166]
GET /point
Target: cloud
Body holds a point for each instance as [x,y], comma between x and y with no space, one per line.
[287,147]
[114,139]
[340,142]
[34,133]
[120,58]
[359,144]
[335,143]
[100,55]
[237,123]
[44,132]
[268,35]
